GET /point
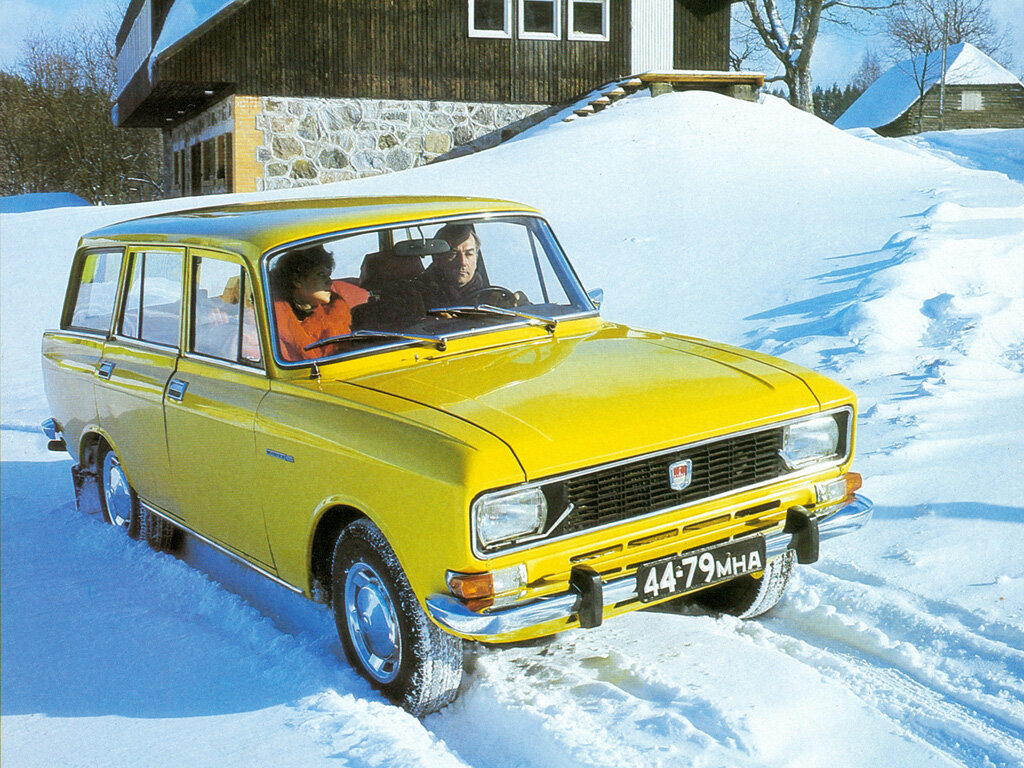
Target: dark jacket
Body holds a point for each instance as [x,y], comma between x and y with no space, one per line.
[403,303]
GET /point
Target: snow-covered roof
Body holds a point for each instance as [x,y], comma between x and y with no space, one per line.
[894,92]
[188,18]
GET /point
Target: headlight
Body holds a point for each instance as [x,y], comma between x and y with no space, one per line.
[807,442]
[507,515]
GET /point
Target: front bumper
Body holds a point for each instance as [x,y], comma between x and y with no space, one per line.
[452,614]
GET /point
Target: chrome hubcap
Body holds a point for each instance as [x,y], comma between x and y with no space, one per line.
[117,492]
[372,623]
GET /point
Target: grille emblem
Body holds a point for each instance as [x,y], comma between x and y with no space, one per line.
[680,473]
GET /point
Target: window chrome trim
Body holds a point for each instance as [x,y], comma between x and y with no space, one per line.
[221,548]
[813,469]
[151,345]
[240,367]
[265,259]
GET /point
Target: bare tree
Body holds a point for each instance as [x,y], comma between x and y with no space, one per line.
[918,27]
[869,70]
[56,132]
[793,43]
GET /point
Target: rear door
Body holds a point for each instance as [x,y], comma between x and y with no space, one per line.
[211,407]
[135,368]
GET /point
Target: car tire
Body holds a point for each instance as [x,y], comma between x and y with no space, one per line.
[160,534]
[747,596]
[118,500]
[386,635]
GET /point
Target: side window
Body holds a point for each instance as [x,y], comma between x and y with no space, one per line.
[490,18]
[223,315]
[540,19]
[513,258]
[588,19]
[152,306]
[97,289]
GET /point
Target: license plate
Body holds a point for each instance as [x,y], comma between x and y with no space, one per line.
[699,568]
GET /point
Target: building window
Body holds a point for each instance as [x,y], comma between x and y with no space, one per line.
[970,101]
[540,19]
[588,19]
[490,18]
[209,149]
[177,169]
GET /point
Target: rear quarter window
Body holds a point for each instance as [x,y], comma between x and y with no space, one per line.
[94,290]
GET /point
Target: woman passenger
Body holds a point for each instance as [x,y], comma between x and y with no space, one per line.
[308,305]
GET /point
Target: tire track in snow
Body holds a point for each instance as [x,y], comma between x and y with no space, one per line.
[954,686]
[583,704]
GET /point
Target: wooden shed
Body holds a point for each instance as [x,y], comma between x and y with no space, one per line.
[973,91]
[257,94]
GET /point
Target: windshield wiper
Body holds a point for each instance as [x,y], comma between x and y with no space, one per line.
[488,309]
[438,341]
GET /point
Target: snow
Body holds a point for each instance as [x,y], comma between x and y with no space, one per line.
[891,265]
[187,18]
[38,201]
[902,84]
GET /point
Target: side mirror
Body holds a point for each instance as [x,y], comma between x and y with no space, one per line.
[596,296]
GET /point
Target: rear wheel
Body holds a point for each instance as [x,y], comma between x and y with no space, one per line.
[747,596]
[117,497]
[384,631]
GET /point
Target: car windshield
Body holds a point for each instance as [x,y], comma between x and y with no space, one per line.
[418,284]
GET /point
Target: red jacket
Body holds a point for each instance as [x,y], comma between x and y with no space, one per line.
[331,319]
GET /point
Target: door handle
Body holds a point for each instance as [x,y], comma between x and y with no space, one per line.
[105,370]
[176,390]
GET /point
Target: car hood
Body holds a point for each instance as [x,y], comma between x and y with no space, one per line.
[565,403]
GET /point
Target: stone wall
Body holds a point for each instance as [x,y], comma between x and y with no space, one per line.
[316,141]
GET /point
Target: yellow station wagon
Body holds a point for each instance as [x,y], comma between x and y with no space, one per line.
[411,410]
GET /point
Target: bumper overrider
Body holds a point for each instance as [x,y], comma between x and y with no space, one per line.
[587,596]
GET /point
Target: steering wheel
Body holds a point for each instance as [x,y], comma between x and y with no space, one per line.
[493,294]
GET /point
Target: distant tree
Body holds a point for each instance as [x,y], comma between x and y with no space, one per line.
[918,30]
[917,27]
[830,103]
[56,133]
[869,70]
[793,44]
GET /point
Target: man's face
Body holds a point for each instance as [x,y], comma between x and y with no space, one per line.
[459,264]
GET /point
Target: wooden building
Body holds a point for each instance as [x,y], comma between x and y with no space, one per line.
[917,95]
[257,93]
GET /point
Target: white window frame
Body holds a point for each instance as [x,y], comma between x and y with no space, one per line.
[971,101]
[605,21]
[556,5]
[505,32]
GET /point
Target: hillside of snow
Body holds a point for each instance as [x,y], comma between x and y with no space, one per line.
[891,266]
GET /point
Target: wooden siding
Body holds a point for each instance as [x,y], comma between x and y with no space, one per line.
[702,34]
[398,49]
[1003,107]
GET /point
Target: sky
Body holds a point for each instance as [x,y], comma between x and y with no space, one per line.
[836,56]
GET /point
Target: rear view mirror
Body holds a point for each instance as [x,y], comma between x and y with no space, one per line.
[596,296]
[421,247]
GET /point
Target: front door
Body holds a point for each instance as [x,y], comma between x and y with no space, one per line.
[211,408]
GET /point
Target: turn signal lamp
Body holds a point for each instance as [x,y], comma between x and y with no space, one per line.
[478,590]
[840,489]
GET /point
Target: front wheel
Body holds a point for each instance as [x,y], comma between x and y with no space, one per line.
[384,631]
[747,596]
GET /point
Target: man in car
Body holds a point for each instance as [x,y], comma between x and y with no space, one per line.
[455,278]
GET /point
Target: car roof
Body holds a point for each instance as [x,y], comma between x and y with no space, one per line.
[251,229]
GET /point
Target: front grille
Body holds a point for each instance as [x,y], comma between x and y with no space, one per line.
[640,487]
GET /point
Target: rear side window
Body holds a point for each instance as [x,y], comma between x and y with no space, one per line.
[152,306]
[97,289]
[223,316]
